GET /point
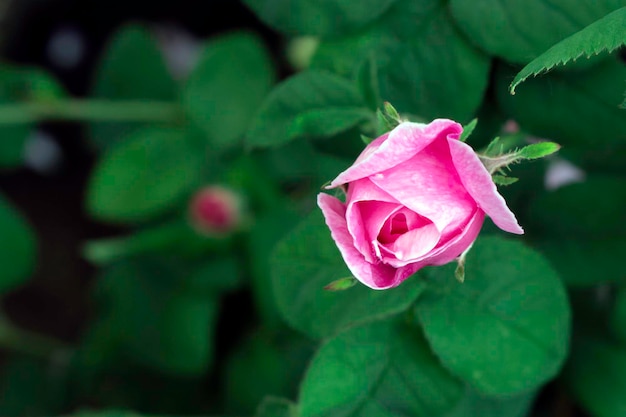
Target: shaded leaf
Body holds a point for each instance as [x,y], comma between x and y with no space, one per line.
[505,330]
[311,104]
[415,72]
[229,83]
[381,369]
[144,176]
[320,17]
[571,108]
[604,35]
[520,30]
[18,247]
[304,262]
[131,67]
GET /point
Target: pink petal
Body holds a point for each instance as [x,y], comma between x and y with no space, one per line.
[452,249]
[365,219]
[403,142]
[429,185]
[413,245]
[364,190]
[478,183]
[377,276]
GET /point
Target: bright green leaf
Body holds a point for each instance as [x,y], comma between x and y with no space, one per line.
[415,72]
[570,107]
[144,176]
[538,150]
[502,180]
[381,369]
[468,129]
[131,68]
[521,30]
[341,284]
[308,105]
[17,248]
[307,260]
[229,83]
[604,35]
[320,17]
[505,330]
[581,228]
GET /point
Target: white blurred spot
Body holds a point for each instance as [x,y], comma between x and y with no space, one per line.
[42,153]
[180,50]
[66,47]
[561,172]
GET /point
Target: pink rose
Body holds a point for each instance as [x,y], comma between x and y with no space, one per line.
[416,196]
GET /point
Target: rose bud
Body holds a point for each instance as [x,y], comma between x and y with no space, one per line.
[215,210]
[416,196]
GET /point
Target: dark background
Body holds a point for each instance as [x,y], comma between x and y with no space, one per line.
[56,301]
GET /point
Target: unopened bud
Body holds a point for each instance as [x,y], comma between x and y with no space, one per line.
[215,210]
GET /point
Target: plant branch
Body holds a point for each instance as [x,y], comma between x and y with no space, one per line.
[90,110]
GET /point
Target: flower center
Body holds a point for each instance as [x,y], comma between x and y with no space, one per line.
[398,224]
[394,227]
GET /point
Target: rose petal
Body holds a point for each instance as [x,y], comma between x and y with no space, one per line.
[429,185]
[376,276]
[365,219]
[364,190]
[413,245]
[452,249]
[405,141]
[480,186]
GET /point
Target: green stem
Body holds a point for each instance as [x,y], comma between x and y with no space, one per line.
[30,343]
[90,110]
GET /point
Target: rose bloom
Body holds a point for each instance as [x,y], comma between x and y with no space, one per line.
[416,196]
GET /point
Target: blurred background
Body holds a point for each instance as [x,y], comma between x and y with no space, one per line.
[55,304]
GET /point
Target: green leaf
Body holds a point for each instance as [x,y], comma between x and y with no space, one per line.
[381,369]
[156,320]
[502,180]
[225,90]
[468,129]
[320,17]
[604,35]
[300,270]
[538,150]
[341,284]
[520,30]
[17,248]
[505,330]
[596,375]
[276,407]
[571,108]
[17,85]
[311,104]
[132,68]
[265,364]
[475,405]
[617,319]
[415,72]
[581,228]
[27,387]
[144,176]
